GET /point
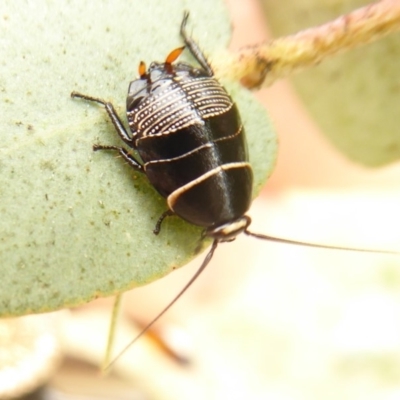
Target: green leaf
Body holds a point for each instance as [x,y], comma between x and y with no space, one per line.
[355,96]
[76,224]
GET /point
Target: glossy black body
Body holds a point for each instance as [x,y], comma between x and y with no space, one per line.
[191,142]
[190,138]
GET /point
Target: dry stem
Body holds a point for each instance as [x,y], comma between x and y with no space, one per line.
[263,64]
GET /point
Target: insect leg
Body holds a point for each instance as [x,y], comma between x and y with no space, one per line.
[164,215]
[119,126]
[194,47]
[124,153]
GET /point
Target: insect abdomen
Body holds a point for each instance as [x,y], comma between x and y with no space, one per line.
[202,171]
[190,137]
[221,195]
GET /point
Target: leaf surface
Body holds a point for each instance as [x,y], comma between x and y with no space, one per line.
[76,224]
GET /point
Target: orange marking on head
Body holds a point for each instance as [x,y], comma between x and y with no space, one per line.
[174,55]
[142,69]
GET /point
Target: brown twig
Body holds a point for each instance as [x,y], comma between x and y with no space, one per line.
[263,64]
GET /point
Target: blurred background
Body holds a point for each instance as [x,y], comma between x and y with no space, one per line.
[266,320]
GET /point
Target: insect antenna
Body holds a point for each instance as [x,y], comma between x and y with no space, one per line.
[203,265]
[321,246]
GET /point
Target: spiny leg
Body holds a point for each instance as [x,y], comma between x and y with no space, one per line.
[119,126]
[194,47]
[124,153]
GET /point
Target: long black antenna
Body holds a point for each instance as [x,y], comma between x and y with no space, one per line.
[321,246]
[173,301]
